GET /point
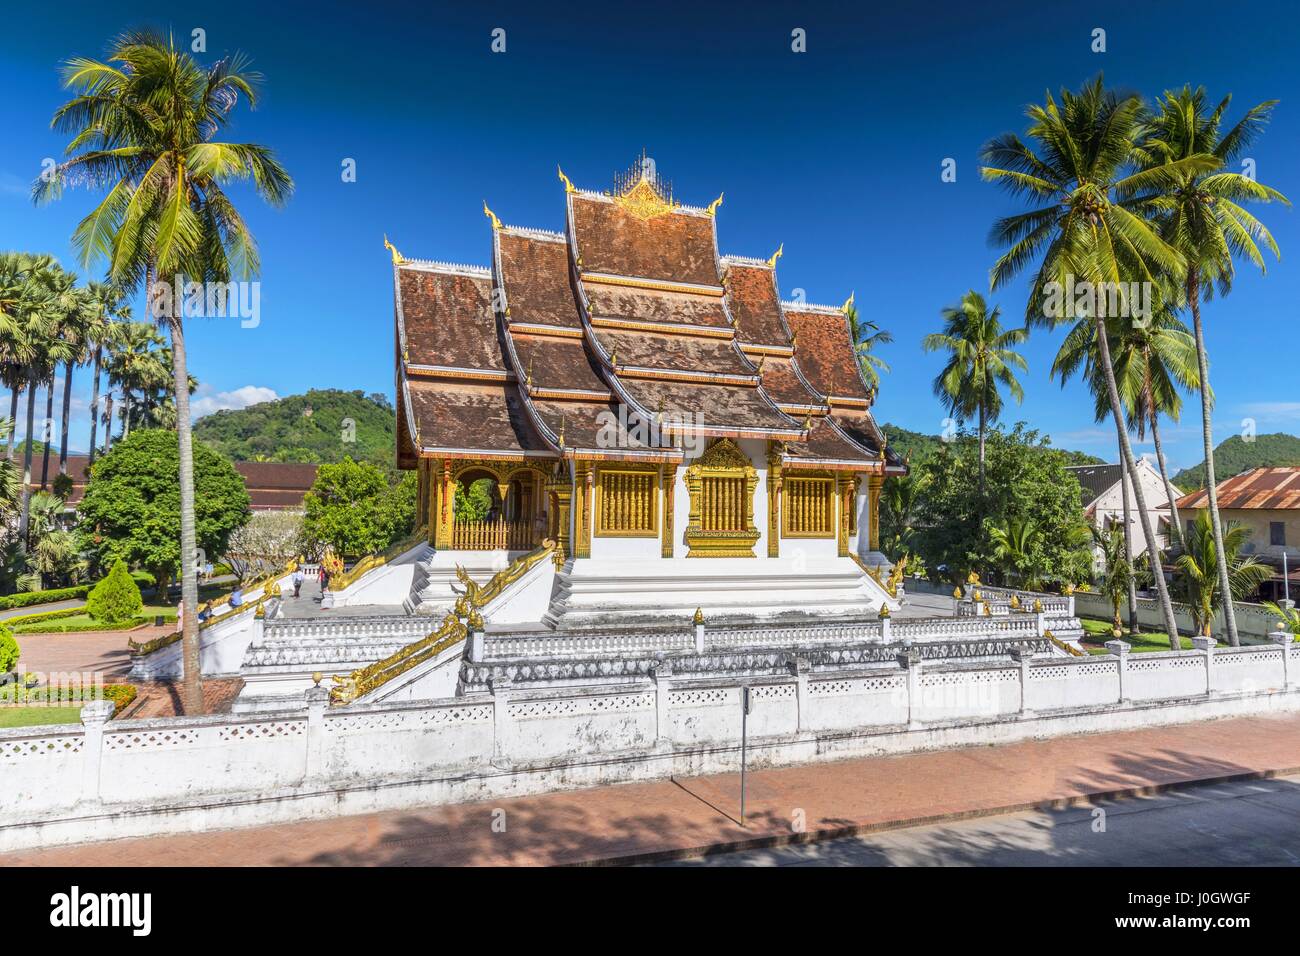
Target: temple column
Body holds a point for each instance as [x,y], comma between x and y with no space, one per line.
[874,484]
[584,478]
[773,500]
[421,489]
[445,492]
[560,493]
[844,492]
[667,480]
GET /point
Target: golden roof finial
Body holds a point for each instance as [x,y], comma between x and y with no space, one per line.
[563,423]
[807,421]
[530,370]
[848,303]
[699,616]
[713,206]
[761,359]
[568,186]
[398,259]
[771,263]
[613,359]
[496,223]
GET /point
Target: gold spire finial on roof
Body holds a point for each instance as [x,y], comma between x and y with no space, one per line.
[776,255]
[398,259]
[807,421]
[496,223]
[530,371]
[641,193]
[563,423]
[761,359]
[848,303]
[613,359]
[713,206]
[568,185]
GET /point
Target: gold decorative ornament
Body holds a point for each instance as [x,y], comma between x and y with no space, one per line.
[884,612]
[956,593]
[316,678]
[1015,601]
[568,186]
[721,484]
[639,193]
[972,578]
[1038,606]
[398,259]
[699,616]
[367,679]
[1069,589]
[713,206]
[771,263]
[496,223]
[848,304]
[475,620]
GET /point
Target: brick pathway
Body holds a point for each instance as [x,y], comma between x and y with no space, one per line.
[80,651]
[632,819]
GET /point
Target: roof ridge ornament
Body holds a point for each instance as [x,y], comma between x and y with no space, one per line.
[848,303]
[771,262]
[568,185]
[712,209]
[639,192]
[398,258]
[496,223]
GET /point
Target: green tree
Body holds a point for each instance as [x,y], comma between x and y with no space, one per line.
[1200,216]
[9,650]
[107,308]
[901,498]
[1016,545]
[145,123]
[1087,227]
[866,336]
[132,506]
[116,598]
[349,509]
[981,362]
[473,502]
[1196,571]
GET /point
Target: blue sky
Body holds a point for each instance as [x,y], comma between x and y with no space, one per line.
[835,152]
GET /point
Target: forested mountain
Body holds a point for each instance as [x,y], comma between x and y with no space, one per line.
[322,426]
[1235,455]
[919,446]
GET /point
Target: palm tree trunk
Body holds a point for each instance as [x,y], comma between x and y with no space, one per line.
[67,408]
[126,414]
[108,423]
[1128,543]
[13,420]
[1175,527]
[49,427]
[1207,436]
[1126,450]
[94,403]
[24,517]
[193,686]
[983,424]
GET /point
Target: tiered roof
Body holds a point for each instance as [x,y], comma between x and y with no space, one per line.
[632,307]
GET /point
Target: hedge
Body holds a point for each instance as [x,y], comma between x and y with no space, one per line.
[28,598]
[39,616]
[120,694]
[30,619]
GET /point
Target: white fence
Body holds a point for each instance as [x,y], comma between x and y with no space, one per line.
[103,780]
[1254,621]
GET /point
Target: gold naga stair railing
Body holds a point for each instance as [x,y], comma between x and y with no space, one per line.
[889,584]
[450,632]
[1069,649]
[368,678]
[497,535]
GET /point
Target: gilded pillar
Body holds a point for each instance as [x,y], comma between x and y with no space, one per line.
[874,484]
[774,499]
[584,478]
[844,486]
[667,481]
[445,494]
[421,490]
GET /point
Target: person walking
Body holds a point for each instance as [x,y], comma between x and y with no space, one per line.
[298,578]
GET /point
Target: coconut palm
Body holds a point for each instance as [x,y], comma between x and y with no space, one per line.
[52,548]
[981,362]
[1017,547]
[1197,569]
[145,122]
[1087,226]
[69,304]
[1201,218]
[900,499]
[866,336]
[136,363]
[109,309]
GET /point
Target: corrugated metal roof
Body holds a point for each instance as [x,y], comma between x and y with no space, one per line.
[1260,489]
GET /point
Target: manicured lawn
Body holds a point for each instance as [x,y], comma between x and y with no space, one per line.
[1097,633]
[79,622]
[36,716]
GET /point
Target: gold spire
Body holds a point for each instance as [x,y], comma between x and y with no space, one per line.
[699,616]
[807,422]
[397,256]
[848,303]
[713,206]
[496,223]
[761,359]
[530,371]
[613,359]
[771,263]
[563,423]
[568,186]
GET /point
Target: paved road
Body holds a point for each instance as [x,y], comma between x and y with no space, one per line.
[1249,823]
[42,608]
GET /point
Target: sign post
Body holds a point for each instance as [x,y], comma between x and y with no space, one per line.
[746,704]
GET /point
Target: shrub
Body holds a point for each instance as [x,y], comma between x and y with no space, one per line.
[30,598]
[115,599]
[8,651]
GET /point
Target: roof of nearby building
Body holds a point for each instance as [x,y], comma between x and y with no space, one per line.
[272,485]
[1260,489]
[1095,479]
[629,310]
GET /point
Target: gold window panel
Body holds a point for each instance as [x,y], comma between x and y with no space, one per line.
[721,485]
[627,503]
[808,510]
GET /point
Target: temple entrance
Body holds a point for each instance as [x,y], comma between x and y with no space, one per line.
[492,512]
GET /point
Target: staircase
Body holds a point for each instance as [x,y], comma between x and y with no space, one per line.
[431,584]
[589,593]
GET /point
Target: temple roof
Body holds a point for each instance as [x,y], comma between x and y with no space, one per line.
[629,310]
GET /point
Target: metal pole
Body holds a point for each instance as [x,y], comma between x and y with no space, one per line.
[744,745]
[1286,582]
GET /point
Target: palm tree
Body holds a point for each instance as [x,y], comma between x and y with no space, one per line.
[899,499]
[1087,225]
[68,305]
[980,361]
[1201,218]
[23,325]
[1119,578]
[1198,569]
[146,122]
[110,308]
[866,336]
[136,364]
[1017,546]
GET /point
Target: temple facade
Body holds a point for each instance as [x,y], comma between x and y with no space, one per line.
[642,400]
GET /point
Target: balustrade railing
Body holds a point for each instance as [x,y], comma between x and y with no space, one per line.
[497,535]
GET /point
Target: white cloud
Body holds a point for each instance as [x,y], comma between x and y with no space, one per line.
[207,400]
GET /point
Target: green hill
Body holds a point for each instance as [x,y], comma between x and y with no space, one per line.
[918,446]
[1235,455]
[307,427]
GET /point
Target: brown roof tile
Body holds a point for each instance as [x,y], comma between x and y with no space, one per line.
[484,417]
[826,353]
[556,363]
[448,319]
[585,425]
[1260,489]
[826,445]
[678,247]
[735,408]
[752,299]
[535,274]
[683,353]
[781,381]
[653,305]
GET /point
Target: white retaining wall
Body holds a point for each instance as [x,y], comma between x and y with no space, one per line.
[114,779]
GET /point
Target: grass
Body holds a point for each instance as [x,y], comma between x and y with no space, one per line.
[1096,633]
[38,716]
[82,622]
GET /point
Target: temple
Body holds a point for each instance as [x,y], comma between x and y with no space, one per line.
[684,436]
